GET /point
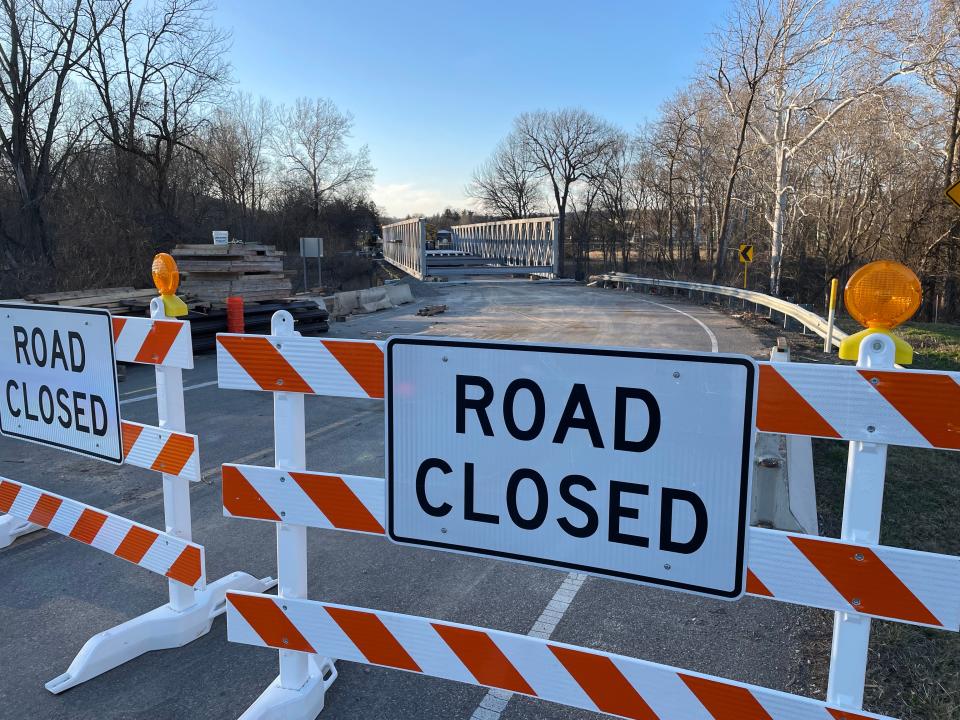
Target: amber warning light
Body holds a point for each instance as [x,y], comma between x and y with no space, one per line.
[880,296]
[166,278]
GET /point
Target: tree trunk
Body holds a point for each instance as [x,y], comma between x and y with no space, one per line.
[778,221]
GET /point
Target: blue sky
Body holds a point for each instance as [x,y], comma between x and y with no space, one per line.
[434,85]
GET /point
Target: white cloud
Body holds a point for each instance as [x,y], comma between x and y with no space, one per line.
[400,199]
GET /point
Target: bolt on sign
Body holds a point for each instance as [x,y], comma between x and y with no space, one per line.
[627,464]
[59,379]
[746,254]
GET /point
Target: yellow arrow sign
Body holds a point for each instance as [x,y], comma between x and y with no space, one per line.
[746,253]
[953,193]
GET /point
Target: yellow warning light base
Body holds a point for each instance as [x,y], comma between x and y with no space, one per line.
[850,346]
[174,306]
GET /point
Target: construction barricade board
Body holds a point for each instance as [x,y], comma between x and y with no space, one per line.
[871,405]
[165,448]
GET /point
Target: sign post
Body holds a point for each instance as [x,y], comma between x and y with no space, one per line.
[311,247]
[627,464]
[59,379]
[746,257]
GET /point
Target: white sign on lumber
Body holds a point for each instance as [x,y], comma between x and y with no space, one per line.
[629,464]
[59,379]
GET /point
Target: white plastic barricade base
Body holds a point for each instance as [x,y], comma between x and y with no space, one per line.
[159,629]
[13,527]
[279,703]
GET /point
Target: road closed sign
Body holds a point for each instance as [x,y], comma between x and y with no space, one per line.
[59,379]
[633,465]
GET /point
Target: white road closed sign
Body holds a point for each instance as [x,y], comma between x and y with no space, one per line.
[629,464]
[59,379]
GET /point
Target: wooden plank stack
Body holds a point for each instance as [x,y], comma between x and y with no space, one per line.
[118,300]
[212,273]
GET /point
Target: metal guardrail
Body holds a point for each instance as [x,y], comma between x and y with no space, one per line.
[807,318]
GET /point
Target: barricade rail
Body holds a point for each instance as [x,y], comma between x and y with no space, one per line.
[165,448]
[153,342]
[162,450]
[916,408]
[871,405]
[890,583]
[159,552]
[807,318]
[574,676]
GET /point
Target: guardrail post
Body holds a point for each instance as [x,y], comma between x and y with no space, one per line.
[862,507]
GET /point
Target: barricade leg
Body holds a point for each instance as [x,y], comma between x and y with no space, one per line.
[862,506]
[160,629]
[190,613]
[298,691]
[12,527]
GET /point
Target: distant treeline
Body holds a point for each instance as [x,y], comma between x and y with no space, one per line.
[120,136]
[824,133]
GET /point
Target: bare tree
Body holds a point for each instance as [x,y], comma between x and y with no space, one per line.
[236,153]
[41,45]
[507,184]
[157,73]
[744,55]
[613,185]
[564,145]
[824,58]
[311,143]
[943,77]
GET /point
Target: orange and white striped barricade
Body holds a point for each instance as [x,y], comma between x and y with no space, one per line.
[161,342]
[165,448]
[854,576]
[298,691]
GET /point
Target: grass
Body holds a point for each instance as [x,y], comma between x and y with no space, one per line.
[936,346]
[913,673]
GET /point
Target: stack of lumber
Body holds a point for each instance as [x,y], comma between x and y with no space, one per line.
[118,300]
[212,273]
[309,319]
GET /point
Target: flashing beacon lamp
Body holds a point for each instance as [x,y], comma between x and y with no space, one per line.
[166,278]
[880,296]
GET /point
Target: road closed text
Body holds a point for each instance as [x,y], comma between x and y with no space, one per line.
[571,500]
[58,382]
[628,464]
[70,408]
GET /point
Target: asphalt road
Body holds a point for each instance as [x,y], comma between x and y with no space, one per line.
[56,593]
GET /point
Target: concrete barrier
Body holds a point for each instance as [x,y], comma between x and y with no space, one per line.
[345,303]
[374,299]
[399,294]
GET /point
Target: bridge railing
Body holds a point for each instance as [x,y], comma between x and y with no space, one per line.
[807,318]
[405,245]
[529,243]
